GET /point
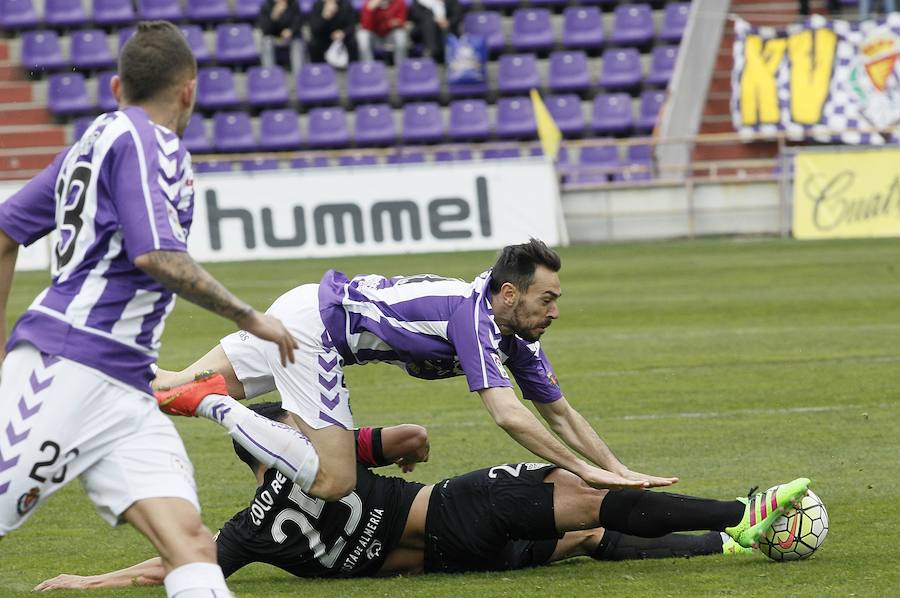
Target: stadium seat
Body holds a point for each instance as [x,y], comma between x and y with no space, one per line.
[258,164]
[317,84]
[166,10]
[194,36]
[375,125]
[500,5]
[621,70]
[662,63]
[267,87]
[64,13]
[67,95]
[639,153]
[210,166]
[467,90]
[106,101]
[550,3]
[517,74]
[306,6]
[486,25]
[247,10]
[279,129]
[215,89]
[582,28]
[568,72]
[125,34]
[90,50]
[327,128]
[235,44]
[674,21]
[632,25]
[469,120]
[357,160]
[501,153]
[417,79]
[110,13]
[454,155]
[612,114]
[532,30]
[314,162]
[367,82]
[422,123]
[208,11]
[566,111]
[41,51]
[18,14]
[233,132]
[597,164]
[634,171]
[515,119]
[406,158]
[651,103]
[195,138]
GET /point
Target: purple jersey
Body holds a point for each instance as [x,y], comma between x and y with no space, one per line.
[432,327]
[123,190]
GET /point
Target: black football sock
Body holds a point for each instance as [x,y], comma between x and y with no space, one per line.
[653,514]
[619,547]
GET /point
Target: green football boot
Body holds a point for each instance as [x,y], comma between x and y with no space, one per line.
[732,548]
[764,508]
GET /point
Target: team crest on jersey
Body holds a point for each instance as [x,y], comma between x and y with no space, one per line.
[374,550]
[552,378]
[28,500]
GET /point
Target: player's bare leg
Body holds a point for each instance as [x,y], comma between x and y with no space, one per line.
[214,361]
[336,447]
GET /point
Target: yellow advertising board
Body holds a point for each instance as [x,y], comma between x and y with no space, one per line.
[847,194]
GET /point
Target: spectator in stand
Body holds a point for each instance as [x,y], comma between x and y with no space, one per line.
[332,21]
[383,21]
[865,7]
[280,23]
[432,21]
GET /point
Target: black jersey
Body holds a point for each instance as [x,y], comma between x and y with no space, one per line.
[309,537]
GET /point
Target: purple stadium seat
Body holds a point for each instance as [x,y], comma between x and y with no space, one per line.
[80,125]
[266,86]
[422,123]
[662,63]
[453,155]
[569,72]
[634,171]
[612,114]
[486,25]
[532,30]
[90,50]
[501,153]
[469,120]
[357,160]
[633,25]
[167,10]
[651,104]
[597,164]
[247,10]
[215,89]
[375,125]
[367,82]
[551,3]
[207,11]
[417,79]
[515,118]
[582,28]
[406,158]
[113,12]
[41,51]
[124,35]
[621,70]
[64,13]
[194,36]
[258,164]
[279,130]
[306,6]
[17,14]
[195,138]
[233,132]
[500,5]
[67,95]
[327,128]
[674,21]
[566,111]
[210,166]
[639,153]
[235,44]
[313,162]
[467,90]
[317,84]
[106,101]
[517,74]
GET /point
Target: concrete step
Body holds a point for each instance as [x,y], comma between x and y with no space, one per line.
[4,50]
[21,113]
[15,167]
[10,72]
[15,92]
[736,151]
[12,137]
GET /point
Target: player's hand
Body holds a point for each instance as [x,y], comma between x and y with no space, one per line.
[407,463]
[64,582]
[271,329]
[654,481]
[602,479]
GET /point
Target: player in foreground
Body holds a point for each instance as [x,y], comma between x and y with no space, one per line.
[75,398]
[430,326]
[505,517]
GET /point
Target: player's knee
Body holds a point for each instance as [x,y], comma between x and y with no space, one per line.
[198,543]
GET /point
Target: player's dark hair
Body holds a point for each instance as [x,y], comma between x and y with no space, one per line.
[516,264]
[154,60]
[270,410]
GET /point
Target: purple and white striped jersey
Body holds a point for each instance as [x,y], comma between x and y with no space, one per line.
[123,190]
[432,327]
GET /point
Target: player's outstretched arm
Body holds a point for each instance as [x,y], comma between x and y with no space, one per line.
[148,573]
[180,273]
[578,434]
[9,250]
[405,445]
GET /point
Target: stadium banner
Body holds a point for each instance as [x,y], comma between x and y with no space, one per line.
[847,194]
[375,210]
[833,81]
[36,256]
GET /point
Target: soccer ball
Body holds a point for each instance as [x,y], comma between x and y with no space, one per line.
[798,534]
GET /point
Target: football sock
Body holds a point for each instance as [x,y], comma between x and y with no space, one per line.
[271,443]
[615,546]
[653,514]
[195,580]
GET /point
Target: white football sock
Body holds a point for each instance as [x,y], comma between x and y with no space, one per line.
[195,580]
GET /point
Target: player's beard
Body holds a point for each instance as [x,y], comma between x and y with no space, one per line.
[521,325]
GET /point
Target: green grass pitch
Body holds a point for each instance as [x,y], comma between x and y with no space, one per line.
[727,363]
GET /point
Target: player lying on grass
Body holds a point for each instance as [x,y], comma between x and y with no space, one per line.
[505,517]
